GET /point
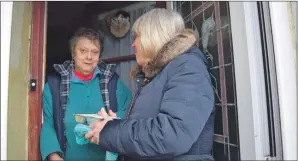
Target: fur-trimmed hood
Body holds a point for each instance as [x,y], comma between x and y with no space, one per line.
[175,47]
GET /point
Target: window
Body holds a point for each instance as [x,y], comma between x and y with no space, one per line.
[212,21]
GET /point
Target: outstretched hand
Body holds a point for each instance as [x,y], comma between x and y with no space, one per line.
[103,113]
[97,125]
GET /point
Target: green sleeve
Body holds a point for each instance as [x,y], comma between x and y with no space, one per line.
[48,139]
[124,97]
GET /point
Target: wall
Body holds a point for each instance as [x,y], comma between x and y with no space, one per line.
[6,16]
[17,132]
[292,11]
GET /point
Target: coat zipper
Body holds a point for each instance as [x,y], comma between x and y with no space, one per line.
[135,96]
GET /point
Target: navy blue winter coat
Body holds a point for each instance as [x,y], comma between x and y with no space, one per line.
[171,117]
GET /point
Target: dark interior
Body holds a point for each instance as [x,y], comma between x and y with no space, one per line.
[64,18]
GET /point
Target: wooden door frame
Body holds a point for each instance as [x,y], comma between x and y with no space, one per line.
[36,70]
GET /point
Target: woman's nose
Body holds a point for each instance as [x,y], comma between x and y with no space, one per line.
[89,56]
[133,44]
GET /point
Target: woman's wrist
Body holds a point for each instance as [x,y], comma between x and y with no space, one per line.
[54,156]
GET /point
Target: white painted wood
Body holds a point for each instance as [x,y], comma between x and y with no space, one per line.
[285,58]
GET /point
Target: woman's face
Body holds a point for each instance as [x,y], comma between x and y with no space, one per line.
[86,55]
[140,56]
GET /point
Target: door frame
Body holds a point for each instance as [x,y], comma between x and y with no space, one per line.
[254,133]
[285,51]
[36,71]
[249,76]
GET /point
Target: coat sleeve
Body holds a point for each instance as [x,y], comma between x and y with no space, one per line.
[123,98]
[48,139]
[186,106]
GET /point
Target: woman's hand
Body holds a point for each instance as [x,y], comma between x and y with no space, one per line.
[103,113]
[97,125]
[55,156]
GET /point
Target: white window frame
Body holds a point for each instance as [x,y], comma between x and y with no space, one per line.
[286,67]
[249,73]
[250,82]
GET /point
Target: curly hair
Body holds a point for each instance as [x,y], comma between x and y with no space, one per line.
[90,34]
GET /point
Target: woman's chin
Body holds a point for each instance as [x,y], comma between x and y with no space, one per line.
[140,63]
[87,72]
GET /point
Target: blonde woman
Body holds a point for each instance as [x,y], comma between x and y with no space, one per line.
[171,114]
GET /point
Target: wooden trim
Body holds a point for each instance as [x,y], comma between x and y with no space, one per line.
[36,72]
[118,59]
[161,4]
[223,87]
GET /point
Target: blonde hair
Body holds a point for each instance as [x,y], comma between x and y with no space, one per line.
[157,27]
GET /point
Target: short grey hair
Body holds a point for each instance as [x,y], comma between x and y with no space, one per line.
[156,28]
[90,34]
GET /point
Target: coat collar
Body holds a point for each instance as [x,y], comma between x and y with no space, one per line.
[175,47]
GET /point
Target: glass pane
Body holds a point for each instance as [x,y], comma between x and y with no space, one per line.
[183,8]
[227,44]
[233,125]
[230,84]
[234,153]
[218,128]
[208,12]
[195,5]
[219,152]
[223,13]
[216,85]
[197,22]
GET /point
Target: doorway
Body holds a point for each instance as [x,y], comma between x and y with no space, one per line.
[53,26]
[61,24]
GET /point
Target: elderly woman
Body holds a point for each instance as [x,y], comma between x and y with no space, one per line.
[171,115]
[82,85]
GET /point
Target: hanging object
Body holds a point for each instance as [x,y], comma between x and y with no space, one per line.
[119,24]
[207,27]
